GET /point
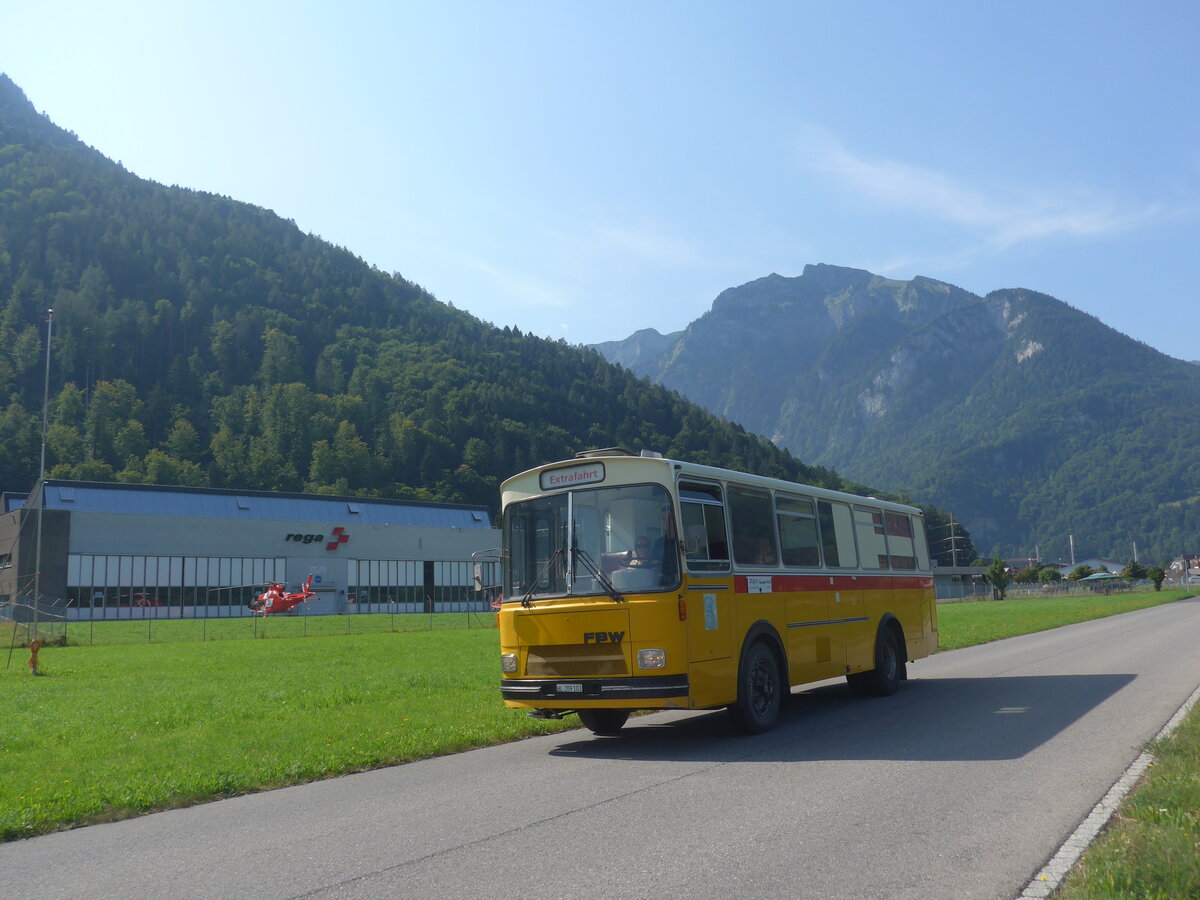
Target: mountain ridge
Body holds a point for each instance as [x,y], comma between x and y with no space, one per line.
[986,404]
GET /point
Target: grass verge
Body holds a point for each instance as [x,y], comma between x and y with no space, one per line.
[114,729]
[978,622]
[1151,850]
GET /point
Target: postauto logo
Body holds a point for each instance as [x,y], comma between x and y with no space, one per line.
[336,538]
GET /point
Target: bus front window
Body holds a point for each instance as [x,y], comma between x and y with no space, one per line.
[591,542]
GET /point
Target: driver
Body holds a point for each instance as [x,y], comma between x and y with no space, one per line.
[641,556]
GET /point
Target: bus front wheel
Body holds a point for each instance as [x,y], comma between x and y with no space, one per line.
[760,690]
[603,721]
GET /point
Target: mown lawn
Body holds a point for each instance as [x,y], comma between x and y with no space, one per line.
[978,622]
[150,717]
[110,731]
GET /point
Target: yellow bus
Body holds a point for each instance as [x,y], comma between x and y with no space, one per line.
[637,582]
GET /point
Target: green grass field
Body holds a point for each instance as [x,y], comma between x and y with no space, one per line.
[113,730]
[977,622]
[1152,849]
[142,720]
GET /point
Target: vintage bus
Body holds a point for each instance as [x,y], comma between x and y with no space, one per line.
[637,582]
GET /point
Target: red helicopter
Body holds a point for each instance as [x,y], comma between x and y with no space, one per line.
[275,599]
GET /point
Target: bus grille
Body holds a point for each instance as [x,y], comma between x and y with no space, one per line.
[575,660]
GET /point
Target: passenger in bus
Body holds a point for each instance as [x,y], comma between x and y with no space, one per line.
[764,552]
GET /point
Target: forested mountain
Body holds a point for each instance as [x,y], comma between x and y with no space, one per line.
[202,341]
[1029,419]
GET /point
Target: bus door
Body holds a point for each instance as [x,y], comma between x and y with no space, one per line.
[849,610]
[814,611]
[708,594]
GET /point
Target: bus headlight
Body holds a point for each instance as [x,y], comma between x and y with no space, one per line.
[652,659]
[508,662]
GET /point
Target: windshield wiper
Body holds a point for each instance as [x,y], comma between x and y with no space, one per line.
[590,565]
[526,601]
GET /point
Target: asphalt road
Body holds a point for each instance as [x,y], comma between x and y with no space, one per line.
[961,786]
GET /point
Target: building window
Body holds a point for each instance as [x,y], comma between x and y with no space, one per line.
[212,586]
[408,585]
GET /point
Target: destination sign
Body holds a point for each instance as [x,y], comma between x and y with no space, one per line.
[572,475]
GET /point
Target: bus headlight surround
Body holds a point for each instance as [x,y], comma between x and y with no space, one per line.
[508,662]
[652,659]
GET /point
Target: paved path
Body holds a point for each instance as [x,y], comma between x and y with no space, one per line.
[959,787]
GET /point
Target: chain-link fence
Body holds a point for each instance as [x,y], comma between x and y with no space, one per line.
[380,596]
[981,590]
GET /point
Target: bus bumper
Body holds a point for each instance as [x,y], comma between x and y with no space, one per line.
[535,691]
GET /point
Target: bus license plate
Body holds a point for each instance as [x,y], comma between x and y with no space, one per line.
[569,688]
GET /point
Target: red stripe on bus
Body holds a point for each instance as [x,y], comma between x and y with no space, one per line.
[792,583]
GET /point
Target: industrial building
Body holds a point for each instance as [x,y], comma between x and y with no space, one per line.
[131,550]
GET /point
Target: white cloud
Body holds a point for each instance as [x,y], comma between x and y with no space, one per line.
[1000,217]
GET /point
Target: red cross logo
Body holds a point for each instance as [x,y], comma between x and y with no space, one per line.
[339,537]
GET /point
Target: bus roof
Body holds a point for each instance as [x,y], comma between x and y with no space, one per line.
[628,461]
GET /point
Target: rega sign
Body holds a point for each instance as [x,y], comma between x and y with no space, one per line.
[336,538]
[305,538]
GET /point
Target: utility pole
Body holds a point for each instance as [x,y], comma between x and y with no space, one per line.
[952,540]
[41,483]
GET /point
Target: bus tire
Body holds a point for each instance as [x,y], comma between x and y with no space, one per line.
[884,680]
[760,690]
[603,721]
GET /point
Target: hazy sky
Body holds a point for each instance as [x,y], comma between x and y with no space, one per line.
[583,170]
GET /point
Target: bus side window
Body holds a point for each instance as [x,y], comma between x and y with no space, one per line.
[837,535]
[872,539]
[901,551]
[797,531]
[753,526]
[704,540]
[919,543]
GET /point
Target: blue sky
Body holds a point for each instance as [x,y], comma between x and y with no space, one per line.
[585,170]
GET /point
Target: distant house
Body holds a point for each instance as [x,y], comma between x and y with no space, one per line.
[1021,563]
[960,582]
[1184,566]
[1096,564]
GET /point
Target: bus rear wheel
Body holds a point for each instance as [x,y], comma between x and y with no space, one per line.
[884,680]
[603,721]
[760,691]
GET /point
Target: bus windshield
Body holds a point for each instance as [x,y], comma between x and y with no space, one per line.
[607,540]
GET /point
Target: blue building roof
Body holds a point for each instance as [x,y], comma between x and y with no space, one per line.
[156,500]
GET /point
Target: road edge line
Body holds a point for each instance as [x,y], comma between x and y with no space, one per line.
[1051,876]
